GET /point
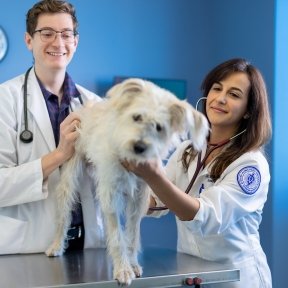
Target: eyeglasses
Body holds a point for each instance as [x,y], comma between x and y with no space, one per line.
[49,35]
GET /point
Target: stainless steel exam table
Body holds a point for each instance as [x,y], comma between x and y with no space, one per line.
[92,268]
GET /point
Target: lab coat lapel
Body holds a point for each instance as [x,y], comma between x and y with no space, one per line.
[37,107]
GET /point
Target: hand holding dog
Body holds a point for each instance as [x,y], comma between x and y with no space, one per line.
[68,136]
[145,170]
[66,147]
[152,172]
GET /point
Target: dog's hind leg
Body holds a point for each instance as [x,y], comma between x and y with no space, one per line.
[66,197]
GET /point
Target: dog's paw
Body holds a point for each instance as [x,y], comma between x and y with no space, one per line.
[138,271]
[55,250]
[124,275]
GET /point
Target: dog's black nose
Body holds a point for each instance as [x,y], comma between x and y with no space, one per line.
[139,147]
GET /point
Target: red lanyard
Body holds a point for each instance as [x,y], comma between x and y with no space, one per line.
[200,163]
[199,166]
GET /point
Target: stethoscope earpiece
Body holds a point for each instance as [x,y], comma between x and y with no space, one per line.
[197,103]
[26,136]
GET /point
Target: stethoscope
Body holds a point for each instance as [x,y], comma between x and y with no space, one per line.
[26,136]
[201,163]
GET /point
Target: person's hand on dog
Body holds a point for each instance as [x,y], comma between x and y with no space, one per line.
[66,146]
[68,135]
[173,197]
[145,170]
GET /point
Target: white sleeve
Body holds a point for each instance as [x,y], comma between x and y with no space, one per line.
[241,190]
[18,183]
[22,184]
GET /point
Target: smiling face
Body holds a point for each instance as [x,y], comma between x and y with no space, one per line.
[55,54]
[226,103]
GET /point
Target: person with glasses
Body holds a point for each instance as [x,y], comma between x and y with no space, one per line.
[49,35]
[30,169]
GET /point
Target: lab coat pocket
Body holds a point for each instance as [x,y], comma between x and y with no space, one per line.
[11,235]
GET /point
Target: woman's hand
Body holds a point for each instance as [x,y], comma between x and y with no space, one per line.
[145,170]
[183,205]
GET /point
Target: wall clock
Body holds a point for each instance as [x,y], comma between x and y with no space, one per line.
[3,44]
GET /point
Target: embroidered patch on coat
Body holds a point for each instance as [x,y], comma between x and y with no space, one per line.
[249,179]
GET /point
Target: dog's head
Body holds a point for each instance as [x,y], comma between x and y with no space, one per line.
[151,120]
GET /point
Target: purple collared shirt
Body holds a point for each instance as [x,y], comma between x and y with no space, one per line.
[58,113]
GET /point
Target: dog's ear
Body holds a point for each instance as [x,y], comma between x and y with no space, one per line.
[178,120]
[186,120]
[126,90]
[200,130]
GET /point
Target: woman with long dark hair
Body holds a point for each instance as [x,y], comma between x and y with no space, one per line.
[227,182]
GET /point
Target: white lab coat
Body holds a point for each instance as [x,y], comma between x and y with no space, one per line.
[27,203]
[225,229]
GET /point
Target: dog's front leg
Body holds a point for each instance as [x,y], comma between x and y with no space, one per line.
[122,270]
[136,208]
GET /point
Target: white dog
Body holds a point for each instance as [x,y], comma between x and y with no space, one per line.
[137,121]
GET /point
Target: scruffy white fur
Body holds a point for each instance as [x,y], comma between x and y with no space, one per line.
[136,121]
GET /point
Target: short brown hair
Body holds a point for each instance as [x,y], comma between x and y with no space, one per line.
[49,6]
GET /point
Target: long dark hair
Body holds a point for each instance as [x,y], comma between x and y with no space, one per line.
[258,125]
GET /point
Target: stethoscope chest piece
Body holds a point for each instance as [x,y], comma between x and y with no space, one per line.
[26,136]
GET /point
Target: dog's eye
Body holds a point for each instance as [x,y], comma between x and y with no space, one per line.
[137,117]
[158,127]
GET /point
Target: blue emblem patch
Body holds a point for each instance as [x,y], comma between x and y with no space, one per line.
[249,179]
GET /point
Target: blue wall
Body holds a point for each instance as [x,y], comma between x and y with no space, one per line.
[179,39]
[130,37]
[280,144]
